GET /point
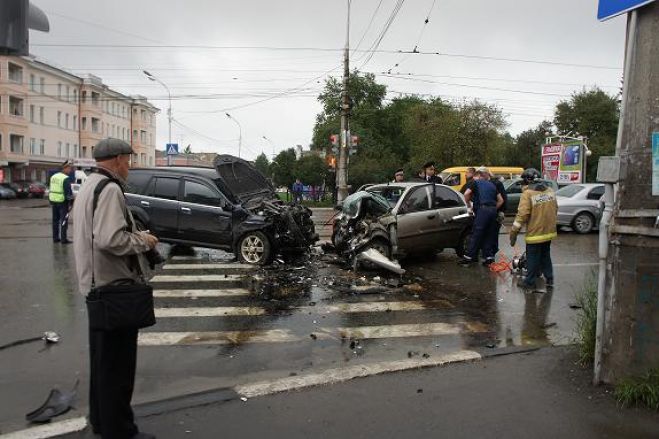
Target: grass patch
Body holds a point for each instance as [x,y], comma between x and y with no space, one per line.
[641,390]
[586,322]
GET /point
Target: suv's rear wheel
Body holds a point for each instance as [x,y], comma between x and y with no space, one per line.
[254,248]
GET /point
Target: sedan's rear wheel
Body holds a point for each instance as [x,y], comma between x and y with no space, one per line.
[583,223]
[254,248]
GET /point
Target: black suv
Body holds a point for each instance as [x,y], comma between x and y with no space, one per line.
[231,207]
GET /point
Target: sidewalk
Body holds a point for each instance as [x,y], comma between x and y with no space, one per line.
[541,394]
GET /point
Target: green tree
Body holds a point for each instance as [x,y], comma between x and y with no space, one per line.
[593,114]
[283,168]
[525,152]
[311,169]
[263,164]
[187,150]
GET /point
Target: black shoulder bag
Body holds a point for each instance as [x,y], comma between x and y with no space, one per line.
[124,304]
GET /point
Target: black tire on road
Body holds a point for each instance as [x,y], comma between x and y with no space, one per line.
[254,248]
[583,223]
[463,247]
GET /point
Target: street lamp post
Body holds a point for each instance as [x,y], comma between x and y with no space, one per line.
[273,146]
[169,111]
[240,133]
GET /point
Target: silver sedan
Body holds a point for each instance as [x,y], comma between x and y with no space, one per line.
[579,206]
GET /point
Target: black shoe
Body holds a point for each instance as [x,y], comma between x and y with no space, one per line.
[549,283]
[488,261]
[67,241]
[142,435]
[466,261]
[56,241]
[523,285]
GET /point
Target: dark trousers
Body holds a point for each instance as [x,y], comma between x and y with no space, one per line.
[484,234]
[538,261]
[59,213]
[113,356]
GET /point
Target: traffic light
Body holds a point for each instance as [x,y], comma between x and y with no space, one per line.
[16,18]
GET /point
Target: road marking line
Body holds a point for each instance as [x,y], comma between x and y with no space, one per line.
[196,278]
[208,266]
[333,376]
[215,337]
[375,307]
[578,264]
[51,430]
[188,258]
[216,311]
[224,292]
[393,331]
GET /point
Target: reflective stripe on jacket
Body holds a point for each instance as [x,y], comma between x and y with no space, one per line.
[538,210]
[56,194]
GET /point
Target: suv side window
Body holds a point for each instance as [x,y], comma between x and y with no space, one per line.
[200,194]
[445,197]
[164,187]
[515,188]
[136,182]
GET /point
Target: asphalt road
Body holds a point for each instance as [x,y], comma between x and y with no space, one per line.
[298,318]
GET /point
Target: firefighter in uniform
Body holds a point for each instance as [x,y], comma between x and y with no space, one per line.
[60,197]
[538,210]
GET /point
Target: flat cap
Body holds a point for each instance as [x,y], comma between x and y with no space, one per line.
[108,148]
[428,164]
[484,170]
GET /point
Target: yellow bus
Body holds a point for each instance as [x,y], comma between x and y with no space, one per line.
[456,177]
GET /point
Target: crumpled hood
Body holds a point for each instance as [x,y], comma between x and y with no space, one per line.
[240,179]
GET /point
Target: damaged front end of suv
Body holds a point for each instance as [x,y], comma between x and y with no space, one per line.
[365,231]
[265,224]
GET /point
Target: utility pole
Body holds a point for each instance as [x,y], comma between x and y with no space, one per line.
[628,318]
[342,167]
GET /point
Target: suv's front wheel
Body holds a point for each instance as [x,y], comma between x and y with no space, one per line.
[254,248]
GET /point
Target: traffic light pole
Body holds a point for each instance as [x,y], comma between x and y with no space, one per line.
[342,166]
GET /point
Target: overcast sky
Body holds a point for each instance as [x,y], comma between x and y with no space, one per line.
[574,50]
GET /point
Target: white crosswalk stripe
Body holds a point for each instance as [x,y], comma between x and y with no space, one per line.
[195,294]
[217,311]
[208,266]
[196,278]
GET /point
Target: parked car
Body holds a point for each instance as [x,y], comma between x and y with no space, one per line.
[231,207]
[34,188]
[514,192]
[400,219]
[20,190]
[6,193]
[580,206]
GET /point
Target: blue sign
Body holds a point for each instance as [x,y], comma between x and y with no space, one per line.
[655,164]
[172,149]
[610,8]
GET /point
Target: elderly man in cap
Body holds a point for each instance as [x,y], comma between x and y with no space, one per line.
[429,173]
[109,250]
[399,176]
[60,197]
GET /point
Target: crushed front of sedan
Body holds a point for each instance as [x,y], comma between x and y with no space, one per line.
[365,230]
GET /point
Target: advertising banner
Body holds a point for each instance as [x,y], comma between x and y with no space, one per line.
[655,164]
[562,162]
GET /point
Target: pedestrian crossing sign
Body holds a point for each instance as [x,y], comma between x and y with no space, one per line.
[172,149]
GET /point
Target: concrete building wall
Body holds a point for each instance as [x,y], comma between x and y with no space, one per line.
[48,115]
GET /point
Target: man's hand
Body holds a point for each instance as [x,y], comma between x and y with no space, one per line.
[500,217]
[150,239]
[513,237]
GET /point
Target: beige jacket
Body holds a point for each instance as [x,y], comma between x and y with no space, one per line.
[114,243]
[537,209]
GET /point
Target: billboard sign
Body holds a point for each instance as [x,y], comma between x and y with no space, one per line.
[563,162]
[655,164]
[611,8]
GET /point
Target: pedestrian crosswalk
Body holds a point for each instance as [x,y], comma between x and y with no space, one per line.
[201,303]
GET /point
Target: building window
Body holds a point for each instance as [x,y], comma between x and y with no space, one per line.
[96,125]
[66,121]
[32,113]
[84,97]
[75,96]
[75,151]
[33,83]
[15,106]
[59,149]
[75,122]
[16,143]
[143,137]
[59,119]
[42,147]
[68,94]
[15,73]
[95,98]
[33,146]
[84,152]
[151,161]
[84,124]
[59,91]
[134,139]
[42,85]
[68,150]
[41,115]
[33,175]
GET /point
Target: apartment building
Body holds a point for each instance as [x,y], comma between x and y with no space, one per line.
[48,115]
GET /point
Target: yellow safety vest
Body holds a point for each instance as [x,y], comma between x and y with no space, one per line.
[56,194]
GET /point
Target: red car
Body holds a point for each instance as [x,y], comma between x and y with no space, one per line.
[34,189]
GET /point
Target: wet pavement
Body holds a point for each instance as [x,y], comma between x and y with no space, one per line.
[221,324]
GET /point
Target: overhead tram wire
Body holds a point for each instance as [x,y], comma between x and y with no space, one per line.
[418,40]
[207,137]
[376,44]
[370,23]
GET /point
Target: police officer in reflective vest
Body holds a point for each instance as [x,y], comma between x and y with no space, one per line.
[60,197]
[537,209]
[485,200]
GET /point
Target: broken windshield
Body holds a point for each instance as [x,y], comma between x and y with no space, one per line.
[363,202]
